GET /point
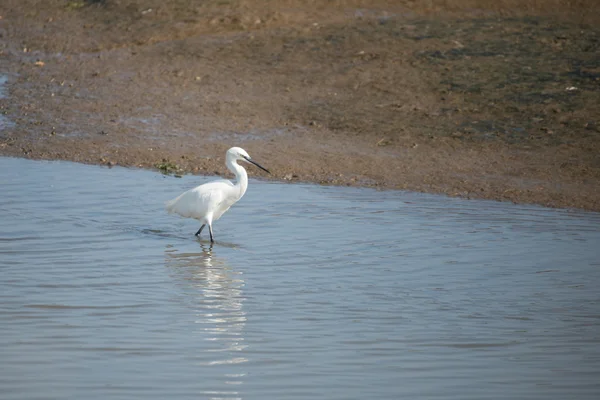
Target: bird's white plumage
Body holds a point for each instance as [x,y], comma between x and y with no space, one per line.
[213,197]
[208,202]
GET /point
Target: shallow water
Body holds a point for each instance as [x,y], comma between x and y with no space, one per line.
[309,292]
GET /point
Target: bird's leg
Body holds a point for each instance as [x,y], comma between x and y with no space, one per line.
[200,230]
[211,234]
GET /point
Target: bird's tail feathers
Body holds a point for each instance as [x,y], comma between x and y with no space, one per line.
[170,205]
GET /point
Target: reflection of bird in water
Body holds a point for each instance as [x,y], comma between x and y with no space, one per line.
[214,291]
[208,202]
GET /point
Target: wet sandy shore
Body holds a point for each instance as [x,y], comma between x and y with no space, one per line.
[474,100]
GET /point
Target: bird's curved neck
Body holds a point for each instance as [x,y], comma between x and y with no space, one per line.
[241,177]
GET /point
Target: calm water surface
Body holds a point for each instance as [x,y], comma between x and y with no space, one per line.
[310,292]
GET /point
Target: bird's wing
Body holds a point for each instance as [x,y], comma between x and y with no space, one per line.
[221,197]
[197,202]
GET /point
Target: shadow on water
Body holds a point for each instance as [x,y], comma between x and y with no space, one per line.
[204,242]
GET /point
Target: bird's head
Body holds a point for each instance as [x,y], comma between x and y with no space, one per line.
[237,153]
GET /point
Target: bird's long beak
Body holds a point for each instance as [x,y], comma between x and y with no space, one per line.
[257,164]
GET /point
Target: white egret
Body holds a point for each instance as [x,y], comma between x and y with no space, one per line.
[209,201]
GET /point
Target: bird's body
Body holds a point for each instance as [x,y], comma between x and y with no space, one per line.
[208,202]
[211,198]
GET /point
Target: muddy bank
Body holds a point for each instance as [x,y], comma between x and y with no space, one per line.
[472,100]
